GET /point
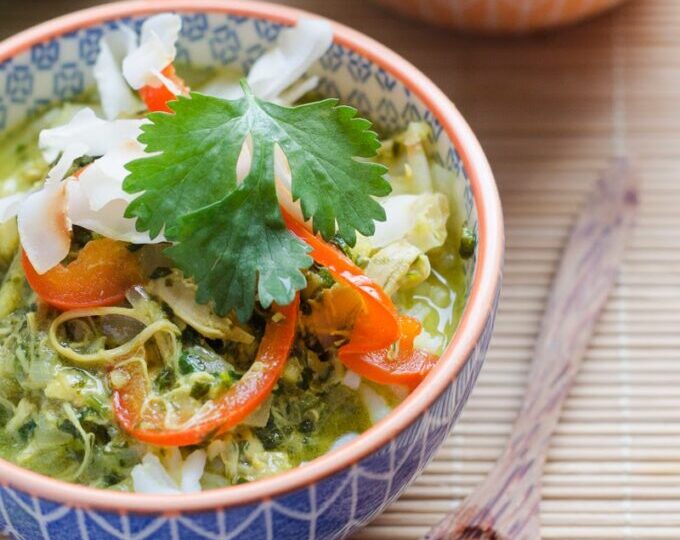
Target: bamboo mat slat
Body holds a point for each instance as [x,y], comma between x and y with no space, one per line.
[550,111]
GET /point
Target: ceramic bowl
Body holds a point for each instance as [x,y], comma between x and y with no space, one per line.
[500,16]
[338,493]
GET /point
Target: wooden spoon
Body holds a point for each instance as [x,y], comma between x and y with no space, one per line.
[506,505]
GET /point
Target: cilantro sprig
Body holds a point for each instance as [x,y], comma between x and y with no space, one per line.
[231,239]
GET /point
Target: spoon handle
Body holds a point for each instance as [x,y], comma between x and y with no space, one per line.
[506,504]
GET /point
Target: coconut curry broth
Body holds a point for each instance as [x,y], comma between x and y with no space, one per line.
[56,416]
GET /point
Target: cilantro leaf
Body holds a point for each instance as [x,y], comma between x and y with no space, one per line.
[322,141]
[229,244]
[196,166]
[231,238]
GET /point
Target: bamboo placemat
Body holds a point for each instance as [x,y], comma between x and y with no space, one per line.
[550,111]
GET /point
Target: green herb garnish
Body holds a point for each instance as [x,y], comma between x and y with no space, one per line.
[231,238]
[468,243]
[189,363]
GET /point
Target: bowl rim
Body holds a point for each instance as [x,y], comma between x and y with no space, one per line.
[478,309]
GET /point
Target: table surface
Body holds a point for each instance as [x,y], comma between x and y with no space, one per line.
[550,111]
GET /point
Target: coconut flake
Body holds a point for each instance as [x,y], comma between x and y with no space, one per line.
[282,177]
[151,476]
[156,50]
[284,185]
[192,471]
[375,404]
[109,220]
[115,94]
[171,458]
[85,128]
[9,206]
[343,440]
[295,92]
[72,152]
[102,180]
[281,68]
[225,85]
[351,379]
[296,50]
[43,227]
[244,160]
[95,201]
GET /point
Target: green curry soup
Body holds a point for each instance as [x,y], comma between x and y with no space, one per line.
[86,388]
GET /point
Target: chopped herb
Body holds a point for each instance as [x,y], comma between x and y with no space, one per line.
[111,479]
[306,378]
[26,431]
[270,436]
[340,243]
[67,427]
[468,242]
[226,379]
[231,238]
[79,164]
[327,280]
[306,426]
[160,272]
[101,434]
[80,236]
[199,390]
[360,260]
[190,363]
[165,380]
[190,336]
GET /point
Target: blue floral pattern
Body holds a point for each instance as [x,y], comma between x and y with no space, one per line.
[88,45]
[225,45]
[19,84]
[335,506]
[45,55]
[194,26]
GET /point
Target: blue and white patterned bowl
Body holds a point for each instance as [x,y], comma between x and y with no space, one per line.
[338,493]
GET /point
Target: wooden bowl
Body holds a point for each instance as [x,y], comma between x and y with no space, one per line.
[500,16]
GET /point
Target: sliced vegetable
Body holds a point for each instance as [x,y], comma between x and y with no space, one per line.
[420,219]
[156,97]
[375,326]
[370,351]
[402,364]
[399,265]
[333,313]
[147,424]
[99,276]
[407,155]
[180,295]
